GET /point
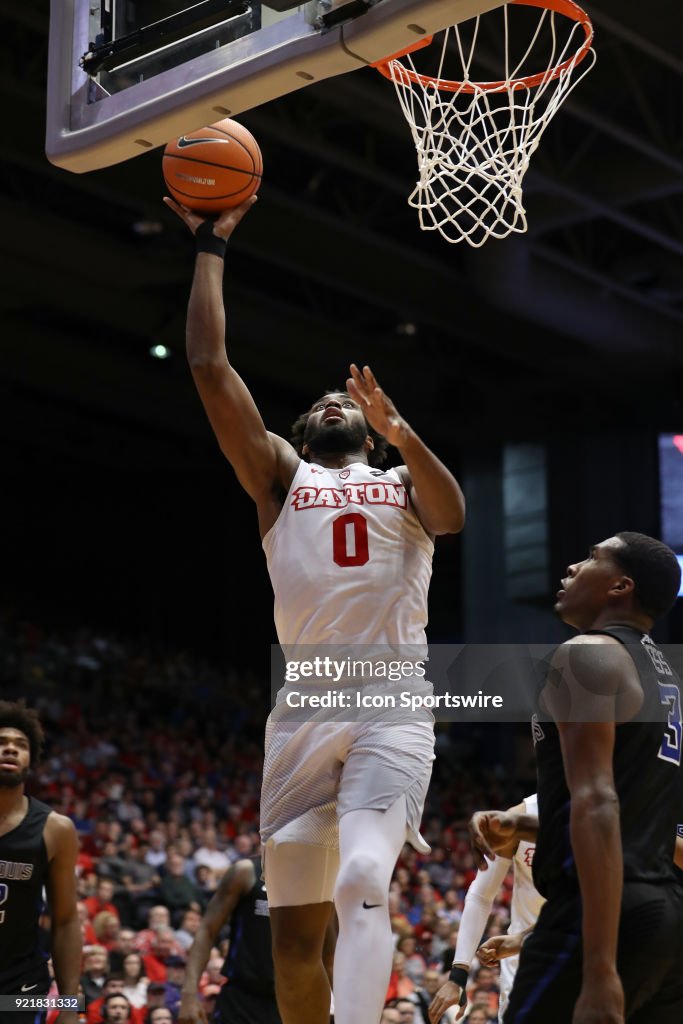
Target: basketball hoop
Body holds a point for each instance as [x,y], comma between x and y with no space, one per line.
[475,138]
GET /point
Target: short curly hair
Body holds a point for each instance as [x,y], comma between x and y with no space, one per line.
[376,457]
[654,569]
[16,715]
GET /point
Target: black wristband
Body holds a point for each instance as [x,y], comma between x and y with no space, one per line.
[459,977]
[208,242]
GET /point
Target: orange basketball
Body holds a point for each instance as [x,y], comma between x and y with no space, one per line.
[213,168]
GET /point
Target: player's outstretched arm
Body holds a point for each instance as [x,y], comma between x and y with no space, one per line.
[434,491]
[237,881]
[261,460]
[61,841]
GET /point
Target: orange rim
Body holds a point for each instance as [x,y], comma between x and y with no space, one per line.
[566,7]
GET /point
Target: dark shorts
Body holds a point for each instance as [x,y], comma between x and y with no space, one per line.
[237,1005]
[649,959]
[27,979]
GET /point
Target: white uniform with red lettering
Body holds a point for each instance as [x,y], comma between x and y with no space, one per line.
[525,907]
[350,565]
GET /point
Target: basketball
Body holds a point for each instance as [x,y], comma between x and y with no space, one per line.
[213,168]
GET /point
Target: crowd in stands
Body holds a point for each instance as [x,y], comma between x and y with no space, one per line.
[158,760]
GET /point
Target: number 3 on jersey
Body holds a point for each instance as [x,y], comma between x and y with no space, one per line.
[670,749]
[350,539]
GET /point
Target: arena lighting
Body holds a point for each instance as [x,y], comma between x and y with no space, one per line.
[160,352]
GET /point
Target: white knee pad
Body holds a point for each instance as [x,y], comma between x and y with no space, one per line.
[297,874]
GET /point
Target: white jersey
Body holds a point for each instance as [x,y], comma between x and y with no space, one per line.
[349,560]
[526,900]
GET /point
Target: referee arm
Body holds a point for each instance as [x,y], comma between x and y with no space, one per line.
[237,881]
[61,841]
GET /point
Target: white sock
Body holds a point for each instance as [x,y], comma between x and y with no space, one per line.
[369,845]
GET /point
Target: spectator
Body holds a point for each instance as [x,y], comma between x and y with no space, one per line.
[415,963]
[157,917]
[156,996]
[124,944]
[113,986]
[407,1011]
[163,948]
[424,995]
[135,980]
[87,930]
[390,1015]
[156,854]
[102,900]
[205,885]
[441,939]
[106,927]
[177,891]
[478,1016]
[400,984]
[116,1010]
[175,975]
[160,1015]
[189,926]
[95,971]
[208,855]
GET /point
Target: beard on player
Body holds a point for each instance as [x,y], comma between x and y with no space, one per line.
[10,778]
[336,437]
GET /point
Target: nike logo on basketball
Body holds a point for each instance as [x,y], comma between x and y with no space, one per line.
[183,143]
[27,988]
[370,906]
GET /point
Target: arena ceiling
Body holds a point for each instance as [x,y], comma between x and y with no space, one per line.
[576,324]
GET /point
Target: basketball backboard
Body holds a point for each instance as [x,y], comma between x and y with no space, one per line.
[118,87]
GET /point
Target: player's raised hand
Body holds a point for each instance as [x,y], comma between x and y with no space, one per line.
[379,410]
[448,995]
[223,227]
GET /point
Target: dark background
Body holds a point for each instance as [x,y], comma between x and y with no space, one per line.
[118,509]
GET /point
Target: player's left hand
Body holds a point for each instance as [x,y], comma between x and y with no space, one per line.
[448,995]
[601,1001]
[379,410]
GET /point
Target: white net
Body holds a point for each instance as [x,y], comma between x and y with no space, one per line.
[474,140]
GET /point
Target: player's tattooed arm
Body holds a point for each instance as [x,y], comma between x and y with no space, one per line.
[237,881]
[434,491]
[67,940]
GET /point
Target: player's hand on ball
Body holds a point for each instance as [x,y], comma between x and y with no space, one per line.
[223,227]
[379,410]
[448,995]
